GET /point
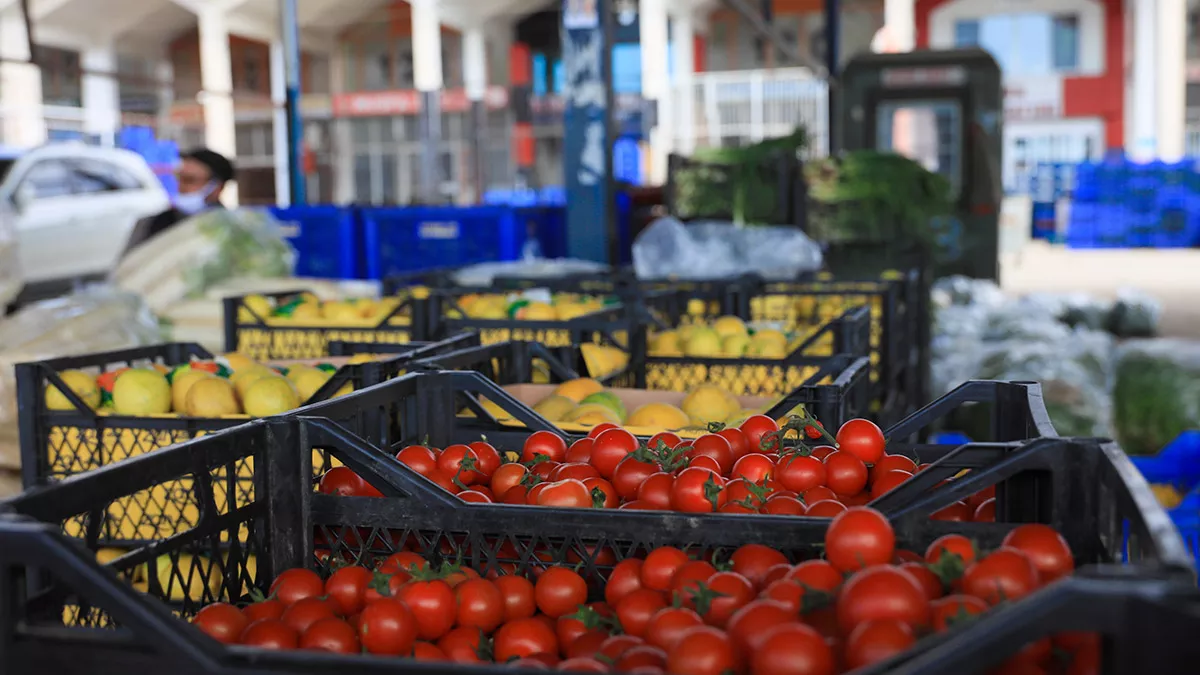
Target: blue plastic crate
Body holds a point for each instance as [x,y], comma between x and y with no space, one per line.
[404,240]
[1178,465]
[326,239]
[549,225]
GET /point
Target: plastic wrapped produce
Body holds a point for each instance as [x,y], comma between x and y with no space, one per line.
[1156,394]
[10,265]
[714,250]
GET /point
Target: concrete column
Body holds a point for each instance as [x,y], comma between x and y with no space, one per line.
[656,81]
[101,94]
[1144,144]
[279,126]
[216,84]
[427,66]
[900,24]
[475,79]
[1171,43]
[684,119]
[22,123]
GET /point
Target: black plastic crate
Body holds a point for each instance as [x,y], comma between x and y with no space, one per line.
[57,444]
[66,611]
[265,337]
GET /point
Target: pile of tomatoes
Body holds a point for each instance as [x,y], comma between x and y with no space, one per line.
[671,611]
[755,468]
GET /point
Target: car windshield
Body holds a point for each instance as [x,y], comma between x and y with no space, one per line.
[5,165]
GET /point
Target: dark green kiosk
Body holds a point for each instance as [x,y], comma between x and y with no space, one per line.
[943,109]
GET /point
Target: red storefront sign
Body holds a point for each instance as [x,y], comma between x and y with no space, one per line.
[408,102]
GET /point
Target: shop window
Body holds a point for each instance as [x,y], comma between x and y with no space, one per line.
[379,71]
[61,77]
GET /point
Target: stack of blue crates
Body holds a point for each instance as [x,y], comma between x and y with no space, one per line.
[1118,204]
[1178,465]
[162,156]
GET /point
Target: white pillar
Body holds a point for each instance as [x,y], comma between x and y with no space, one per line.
[656,84]
[427,45]
[684,120]
[22,123]
[900,23]
[475,67]
[1172,78]
[216,84]
[1144,144]
[101,94]
[279,130]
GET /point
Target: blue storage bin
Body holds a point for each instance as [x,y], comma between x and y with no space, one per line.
[404,240]
[1178,465]
[326,239]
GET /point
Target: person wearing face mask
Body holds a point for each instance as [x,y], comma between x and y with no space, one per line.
[202,176]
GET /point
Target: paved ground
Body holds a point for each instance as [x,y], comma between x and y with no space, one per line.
[1170,275]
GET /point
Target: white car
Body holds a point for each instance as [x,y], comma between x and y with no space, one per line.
[73,207]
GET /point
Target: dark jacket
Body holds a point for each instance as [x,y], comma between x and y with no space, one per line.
[147,228]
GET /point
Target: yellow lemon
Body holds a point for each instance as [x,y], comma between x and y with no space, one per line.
[243,379]
[361,358]
[294,372]
[708,403]
[237,361]
[729,325]
[259,304]
[579,389]
[537,311]
[81,383]
[554,408]
[181,384]
[735,345]
[307,311]
[702,343]
[592,414]
[658,416]
[211,397]
[341,311]
[270,395]
[770,336]
[665,343]
[141,391]
[309,381]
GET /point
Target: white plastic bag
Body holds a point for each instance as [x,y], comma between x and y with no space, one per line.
[716,250]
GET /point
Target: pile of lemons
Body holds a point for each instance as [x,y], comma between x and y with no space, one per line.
[227,386]
[724,337]
[562,307]
[308,309]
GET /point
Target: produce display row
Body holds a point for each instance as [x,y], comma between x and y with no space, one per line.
[309,556]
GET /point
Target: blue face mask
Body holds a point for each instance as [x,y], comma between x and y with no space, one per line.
[194,202]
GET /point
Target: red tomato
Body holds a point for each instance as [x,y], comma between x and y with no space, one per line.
[656,490]
[387,627]
[266,609]
[705,463]
[487,457]
[951,544]
[715,447]
[754,467]
[641,656]
[462,644]
[986,512]
[445,481]
[822,451]
[506,476]
[432,605]
[892,463]
[799,474]
[826,508]
[425,651]
[569,493]
[816,574]
[929,581]
[697,490]
[519,597]
[404,561]
[888,482]
[625,578]
[737,441]
[980,497]
[630,473]
[669,624]
[793,649]
[753,560]
[601,428]
[874,641]
[580,451]
[689,579]
[733,592]
[296,584]
[480,604]
[845,473]
[755,428]
[346,589]
[610,448]
[270,634]
[660,567]
[460,462]
[616,645]
[670,440]
[945,612]
[418,458]
[750,625]
[636,608]
[331,635]
[545,443]
[222,622]
[577,640]
[305,612]
[602,492]
[702,650]
[1006,574]
[1048,550]
[860,537]
[522,638]
[958,512]
[574,470]
[560,591]
[863,439]
[341,481]
[882,592]
[474,497]
[783,505]
[818,494]
[584,664]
